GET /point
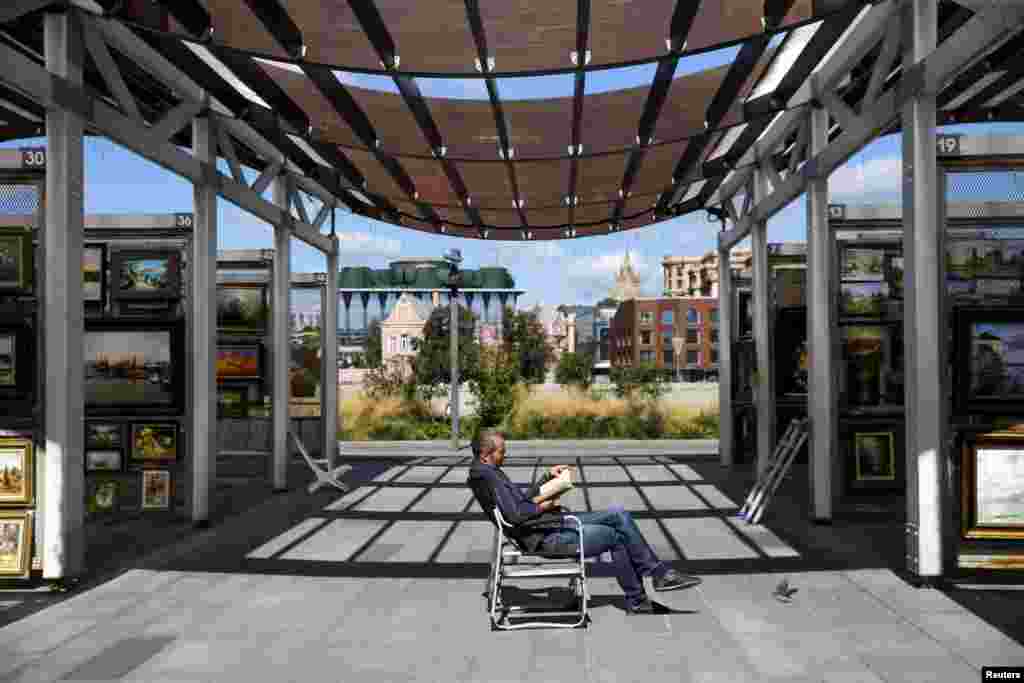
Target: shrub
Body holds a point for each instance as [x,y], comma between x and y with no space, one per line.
[575,369]
[494,386]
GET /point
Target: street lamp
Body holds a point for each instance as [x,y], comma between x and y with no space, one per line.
[677,348]
[454,258]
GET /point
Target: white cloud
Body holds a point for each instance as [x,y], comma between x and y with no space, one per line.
[365,244]
[867,182]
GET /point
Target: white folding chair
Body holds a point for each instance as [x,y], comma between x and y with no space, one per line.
[324,476]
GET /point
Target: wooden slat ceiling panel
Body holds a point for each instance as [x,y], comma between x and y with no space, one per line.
[547,217]
[600,178]
[542,183]
[332,33]
[435,38]
[591,213]
[235,25]
[430,180]
[642,204]
[325,119]
[655,172]
[501,219]
[395,125]
[378,180]
[487,183]
[527,36]
[467,126]
[648,23]
[539,128]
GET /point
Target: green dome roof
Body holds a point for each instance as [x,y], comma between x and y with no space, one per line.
[496,278]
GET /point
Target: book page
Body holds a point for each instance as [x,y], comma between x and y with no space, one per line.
[557,486]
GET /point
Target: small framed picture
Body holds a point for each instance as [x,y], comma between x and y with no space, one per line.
[15,543]
[102,461]
[239,362]
[156,490]
[103,495]
[16,267]
[94,282]
[863,264]
[232,401]
[16,468]
[874,456]
[154,443]
[104,436]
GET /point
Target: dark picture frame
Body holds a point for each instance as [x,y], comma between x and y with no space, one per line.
[863,264]
[124,379]
[791,355]
[873,455]
[94,280]
[992,486]
[145,275]
[104,461]
[862,298]
[16,264]
[103,495]
[232,400]
[157,490]
[154,444]
[17,365]
[104,436]
[243,308]
[239,362]
[989,359]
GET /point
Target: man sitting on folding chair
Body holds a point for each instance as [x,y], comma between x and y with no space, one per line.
[540,527]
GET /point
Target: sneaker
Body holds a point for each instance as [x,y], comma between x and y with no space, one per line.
[673,580]
[646,606]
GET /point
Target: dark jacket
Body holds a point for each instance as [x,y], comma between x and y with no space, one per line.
[531,524]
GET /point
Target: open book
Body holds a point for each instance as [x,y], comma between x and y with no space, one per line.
[557,486]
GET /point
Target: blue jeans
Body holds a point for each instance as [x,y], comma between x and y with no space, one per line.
[617,532]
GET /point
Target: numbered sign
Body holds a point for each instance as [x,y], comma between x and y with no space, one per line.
[947,145]
[184,220]
[837,211]
[33,157]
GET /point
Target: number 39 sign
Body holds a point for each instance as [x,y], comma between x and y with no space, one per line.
[33,157]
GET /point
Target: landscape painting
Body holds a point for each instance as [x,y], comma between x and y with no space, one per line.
[863,298]
[154,443]
[873,453]
[103,435]
[129,367]
[145,275]
[997,361]
[863,356]
[16,467]
[1000,487]
[974,258]
[15,259]
[93,258]
[863,264]
[156,490]
[232,401]
[242,308]
[238,362]
[15,543]
[102,461]
[8,360]
[102,496]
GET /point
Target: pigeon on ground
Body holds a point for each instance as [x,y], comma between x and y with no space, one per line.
[783,592]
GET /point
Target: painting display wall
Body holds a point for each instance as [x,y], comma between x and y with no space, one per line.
[145,275]
[17,365]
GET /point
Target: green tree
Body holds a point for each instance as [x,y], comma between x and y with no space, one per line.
[494,386]
[643,380]
[374,345]
[524,339]
[432,363]
[608,302]
[575,369]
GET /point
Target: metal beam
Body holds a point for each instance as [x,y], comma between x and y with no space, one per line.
[765,389]
[329,353]
[976,36]
[726,444]
[13,9]
[280,353]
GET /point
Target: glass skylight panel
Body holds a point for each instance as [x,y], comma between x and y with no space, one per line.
[1006,94]
[975,88]
[361,197]
[693,190]
[728,139]
[692,64]
[367,81]
[796,41]
[609,80]
[305,147]
[24,113]
[454,88]
[536,87]
[287,66]
[226,73]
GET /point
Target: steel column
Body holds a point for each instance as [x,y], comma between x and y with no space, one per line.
[63,538]
[454,359]
[329,354]
[821,366]
[762,333]
[924,333]
[203,341]
[281,380]
[726,444]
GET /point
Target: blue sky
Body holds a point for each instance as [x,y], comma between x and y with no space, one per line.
[570,271]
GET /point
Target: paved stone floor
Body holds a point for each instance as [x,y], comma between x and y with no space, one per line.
[384,584]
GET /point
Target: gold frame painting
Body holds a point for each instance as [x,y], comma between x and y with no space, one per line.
[992,490]
[15,561]
[22,491]
[859,437]
[165,493]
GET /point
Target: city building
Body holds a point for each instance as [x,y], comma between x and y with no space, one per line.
[697,276]
[678,335]
[627,282]
[400,328]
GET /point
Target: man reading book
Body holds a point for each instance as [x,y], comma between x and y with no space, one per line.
[539,525]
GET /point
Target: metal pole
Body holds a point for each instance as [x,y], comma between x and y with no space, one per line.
[63,539]
[281,391]
[204,328]
[762,334]
[923,325]
[726,444]
[821,367]
[454,401]
[329,353]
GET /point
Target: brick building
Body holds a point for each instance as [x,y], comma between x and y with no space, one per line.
[656,329]
[697,276]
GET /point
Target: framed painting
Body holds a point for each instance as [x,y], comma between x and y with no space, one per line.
[992,486]
[134,367]
[154,443]
[103,461]
[17,466]
[862,355]
[232,401]
[989,360]
[863,264]
[243,308]
[145,275]
[156,490]
[791,357]
[104,436]
[16,266]
[894,276]
[862,298]
[239,362]
[94,282]
[874,456]
[17,364]
[15,543]
[103,495]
